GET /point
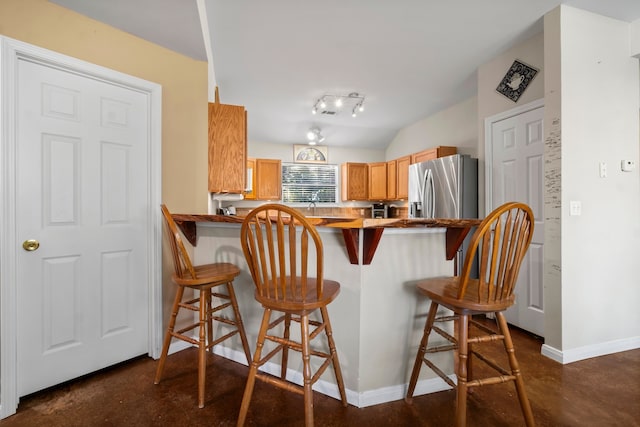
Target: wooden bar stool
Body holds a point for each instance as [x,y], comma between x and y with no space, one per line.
[278,243]
[501,242]
[201,278]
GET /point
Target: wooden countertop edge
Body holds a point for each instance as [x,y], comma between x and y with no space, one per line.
[346,223]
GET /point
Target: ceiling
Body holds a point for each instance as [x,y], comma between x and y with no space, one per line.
[408,58]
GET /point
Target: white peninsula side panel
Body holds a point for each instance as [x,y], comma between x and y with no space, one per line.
[377,319]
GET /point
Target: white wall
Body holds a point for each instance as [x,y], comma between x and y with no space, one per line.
[455,126]
[336,155]
[599,124]
[593,118]
[635,38]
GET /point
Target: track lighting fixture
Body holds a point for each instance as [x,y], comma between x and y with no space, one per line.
[332,104]
[314,136]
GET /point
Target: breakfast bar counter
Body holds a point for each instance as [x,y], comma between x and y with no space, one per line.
[372,229]
[378,317]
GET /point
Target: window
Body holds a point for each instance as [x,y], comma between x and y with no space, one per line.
[309,183]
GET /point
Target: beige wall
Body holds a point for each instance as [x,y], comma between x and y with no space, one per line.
[490,102]
[183,80]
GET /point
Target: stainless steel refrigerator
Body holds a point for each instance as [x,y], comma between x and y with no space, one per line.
[446,187]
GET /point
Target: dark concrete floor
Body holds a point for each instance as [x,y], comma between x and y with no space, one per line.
[603,391]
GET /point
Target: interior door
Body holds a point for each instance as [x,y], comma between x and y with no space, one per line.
[82,191]
[517,149]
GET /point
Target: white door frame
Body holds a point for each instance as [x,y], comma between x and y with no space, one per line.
[11,51]
[488,146]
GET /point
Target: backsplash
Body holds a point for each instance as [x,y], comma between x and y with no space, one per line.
[356,212]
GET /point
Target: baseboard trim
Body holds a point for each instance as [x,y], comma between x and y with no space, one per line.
[589,351]
[360,400]
[366,398]
[398,392]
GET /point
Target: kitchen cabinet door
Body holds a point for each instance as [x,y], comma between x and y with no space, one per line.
[354,181]
[402,177]
[432,153]
[227,148]
[268,179]
[392,179]
[377,181]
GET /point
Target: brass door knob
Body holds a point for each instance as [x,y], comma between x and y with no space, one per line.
[30,245]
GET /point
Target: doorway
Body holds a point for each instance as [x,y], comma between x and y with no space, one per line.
[514,153]
[80,247]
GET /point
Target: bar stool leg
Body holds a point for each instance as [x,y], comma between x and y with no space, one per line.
[306,371]
[334,355]
[515,370]
[202,346]
[169,334]
[422,349]
[238,322]
[253,369]
[209,317]
[285,349]
[461,389]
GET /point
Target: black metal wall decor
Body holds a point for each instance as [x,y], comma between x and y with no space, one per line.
[516,80]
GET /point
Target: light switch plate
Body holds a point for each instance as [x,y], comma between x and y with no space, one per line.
[575,208]
[603,170]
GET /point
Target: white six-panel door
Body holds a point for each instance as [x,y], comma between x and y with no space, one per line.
[517,168]
[82,193]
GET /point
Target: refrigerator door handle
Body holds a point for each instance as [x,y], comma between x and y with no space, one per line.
[432,201]
[428,196]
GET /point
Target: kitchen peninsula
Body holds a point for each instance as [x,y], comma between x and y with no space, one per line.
[377,318]
[372,228]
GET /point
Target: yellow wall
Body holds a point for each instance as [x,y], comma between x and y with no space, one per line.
[183,80]
[184,94]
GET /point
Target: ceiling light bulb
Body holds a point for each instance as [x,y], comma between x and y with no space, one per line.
[338,102]
[314,110]
[354,114]
[361,108]
[312,143]
[323,104]
[311,135]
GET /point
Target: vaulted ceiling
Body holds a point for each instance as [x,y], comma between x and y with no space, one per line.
[408,58]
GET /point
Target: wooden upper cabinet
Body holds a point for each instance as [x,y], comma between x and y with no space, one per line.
[268,179]
[378,181]
[392,179]
[227,148]
[433,153]
[402,177]
[354,181]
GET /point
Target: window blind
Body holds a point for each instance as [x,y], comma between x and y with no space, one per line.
[307,183]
